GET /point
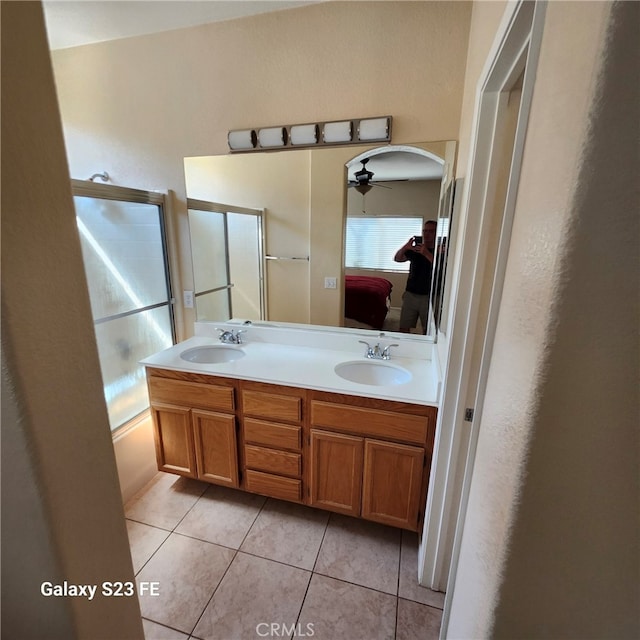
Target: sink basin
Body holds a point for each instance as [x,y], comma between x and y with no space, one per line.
[372,373]
[212,354]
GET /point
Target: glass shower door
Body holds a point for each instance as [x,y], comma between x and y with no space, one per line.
[244,237]
[123,247]
[210,265]
[227,254]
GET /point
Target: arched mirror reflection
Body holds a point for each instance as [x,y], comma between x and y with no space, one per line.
[393,200]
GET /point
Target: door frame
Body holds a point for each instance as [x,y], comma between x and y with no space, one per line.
[516,48]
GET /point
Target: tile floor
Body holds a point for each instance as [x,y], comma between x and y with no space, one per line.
[230,564]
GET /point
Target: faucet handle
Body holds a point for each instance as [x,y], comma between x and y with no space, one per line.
[226,336]
[369,352]
[386,354]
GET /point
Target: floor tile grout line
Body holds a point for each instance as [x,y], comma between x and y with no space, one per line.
[190,509]
[266,499]
[235,555]
[395,629]
[192,537]
[282,562]
[146,562]
[324,534]
[163,624]
[395,626]
[213,593]
[154,526]
[422,604]
[304,598]
[355,584]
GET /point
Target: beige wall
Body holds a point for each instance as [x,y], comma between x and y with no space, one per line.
[550,545]
[62,516]
[413,198]
[137,107]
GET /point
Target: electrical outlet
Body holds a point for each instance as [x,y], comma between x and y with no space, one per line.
[187,299]
[330,283]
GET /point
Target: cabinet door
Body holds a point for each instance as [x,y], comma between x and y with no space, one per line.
[215,447]
[392,483]
[174,439]
[336,472]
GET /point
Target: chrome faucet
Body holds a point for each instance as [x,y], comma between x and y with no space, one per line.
[377,352]
[231,336]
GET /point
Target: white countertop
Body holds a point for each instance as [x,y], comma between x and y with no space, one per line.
[309,367]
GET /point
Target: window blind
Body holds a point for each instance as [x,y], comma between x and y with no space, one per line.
[371,242]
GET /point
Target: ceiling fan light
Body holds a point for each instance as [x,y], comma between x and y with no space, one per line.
[245,139]
[374,129]
[334,132]
[272,137]
[363,187]
[304,134]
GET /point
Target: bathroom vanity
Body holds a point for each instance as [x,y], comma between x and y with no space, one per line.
[276,417]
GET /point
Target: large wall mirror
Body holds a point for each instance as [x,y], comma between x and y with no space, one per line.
[317,222]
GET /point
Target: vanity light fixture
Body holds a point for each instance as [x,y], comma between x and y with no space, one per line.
[334,132]
[314,134]
[304,134]
[272,137]
[373,129]
[242,140]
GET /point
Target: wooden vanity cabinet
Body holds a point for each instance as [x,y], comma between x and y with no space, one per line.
[174,439]
[336,472]
[370,458]
[195,425]
[392,481]
[272,419]
[216,447]
[357,456]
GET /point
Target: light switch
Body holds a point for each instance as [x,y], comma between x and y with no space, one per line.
[187,299]
[330,283]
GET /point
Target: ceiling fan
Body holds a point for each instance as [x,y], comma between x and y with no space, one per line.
[362,182]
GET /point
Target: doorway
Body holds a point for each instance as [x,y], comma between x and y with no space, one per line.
[486,216]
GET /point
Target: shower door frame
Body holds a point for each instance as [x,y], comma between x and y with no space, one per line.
[89,189]
[225,209]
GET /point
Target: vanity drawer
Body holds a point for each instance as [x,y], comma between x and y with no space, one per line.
[370,422]
[272,460]
[191,394]
[281,436]
[272,405]
[274,486]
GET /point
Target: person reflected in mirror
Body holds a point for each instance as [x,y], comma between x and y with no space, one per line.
[418,250]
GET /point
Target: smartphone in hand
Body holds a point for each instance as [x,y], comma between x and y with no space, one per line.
[417,240]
